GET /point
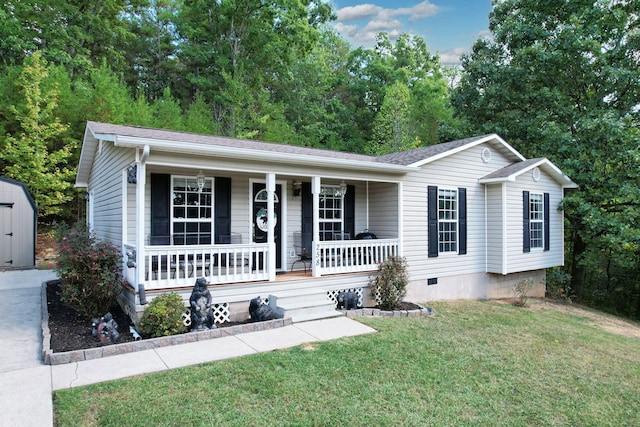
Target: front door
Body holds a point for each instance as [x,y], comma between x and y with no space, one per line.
[260,218]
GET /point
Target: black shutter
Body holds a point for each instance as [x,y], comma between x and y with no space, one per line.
[222,208]
[547,234]
[160,206]
[307,215]
[462,221]
[526,238]
[350,211]
[432,220]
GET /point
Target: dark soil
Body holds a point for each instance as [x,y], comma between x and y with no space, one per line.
[70,331]
[404,305]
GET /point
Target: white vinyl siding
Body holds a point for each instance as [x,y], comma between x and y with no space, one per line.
[460,170]
[517,260]
[105,185]
[495,229]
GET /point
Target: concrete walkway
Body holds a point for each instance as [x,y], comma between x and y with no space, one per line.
[26,384]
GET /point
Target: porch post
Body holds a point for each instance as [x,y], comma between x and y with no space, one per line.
[271,190]
[140,241]
[315,191]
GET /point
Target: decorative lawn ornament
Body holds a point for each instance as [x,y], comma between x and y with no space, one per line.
[200,303]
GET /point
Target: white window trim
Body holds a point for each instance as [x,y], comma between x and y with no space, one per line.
[185,220]
[540,202]
[454,191]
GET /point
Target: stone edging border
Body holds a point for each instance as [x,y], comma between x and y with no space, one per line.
[51,358]
[375,312]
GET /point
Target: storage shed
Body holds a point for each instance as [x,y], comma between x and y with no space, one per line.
[18,219]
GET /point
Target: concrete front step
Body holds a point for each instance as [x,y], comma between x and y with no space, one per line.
[305,304]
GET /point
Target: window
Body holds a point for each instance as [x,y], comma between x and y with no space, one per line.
[536,220]
[191,208]
[447,220]
[331,211]
[536,232]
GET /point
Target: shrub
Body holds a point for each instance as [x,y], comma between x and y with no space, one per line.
[163,316]
[521,291]
[90,271]
[390,283]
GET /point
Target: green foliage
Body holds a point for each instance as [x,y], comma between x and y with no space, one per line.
[38,152]
[393,128]
[473,364]
[389,285]
[90,271]
[163,316]
[561,80]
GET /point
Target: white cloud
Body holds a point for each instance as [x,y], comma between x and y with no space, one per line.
[374,19]
[452,56]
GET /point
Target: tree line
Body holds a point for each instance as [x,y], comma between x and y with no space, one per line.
[556,79]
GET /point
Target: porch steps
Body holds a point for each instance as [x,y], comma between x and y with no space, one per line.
[305,304]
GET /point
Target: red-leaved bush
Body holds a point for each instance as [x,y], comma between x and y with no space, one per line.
[90,271]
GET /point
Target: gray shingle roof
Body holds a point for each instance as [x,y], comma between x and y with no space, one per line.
[412,156]
[512,169]
[403,158]
[241,144]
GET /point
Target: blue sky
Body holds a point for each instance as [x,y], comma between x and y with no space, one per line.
[450,27]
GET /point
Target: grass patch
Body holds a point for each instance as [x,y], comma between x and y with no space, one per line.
[473,363]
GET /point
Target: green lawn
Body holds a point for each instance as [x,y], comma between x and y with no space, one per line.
[472,363]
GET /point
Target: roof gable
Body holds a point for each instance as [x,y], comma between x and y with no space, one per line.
[424,155]
[512,171]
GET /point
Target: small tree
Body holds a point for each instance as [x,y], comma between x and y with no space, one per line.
[390,283]
[90,271]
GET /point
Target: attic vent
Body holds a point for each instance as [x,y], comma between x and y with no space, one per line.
[535,174]
[486,155]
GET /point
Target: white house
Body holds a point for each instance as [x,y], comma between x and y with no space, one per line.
[472,217]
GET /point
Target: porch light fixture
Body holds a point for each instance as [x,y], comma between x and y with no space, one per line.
[297,189]
[343,189]
[200,180]
[334,190]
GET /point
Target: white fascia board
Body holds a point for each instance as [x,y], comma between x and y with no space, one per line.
[470,145]
[258,155]
[546,164]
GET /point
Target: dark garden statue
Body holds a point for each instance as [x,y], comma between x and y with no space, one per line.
[105,329]
[347,300]
[260,312]
[200,304]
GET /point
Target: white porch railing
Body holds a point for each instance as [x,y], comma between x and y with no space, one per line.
[346,256]
[176,266]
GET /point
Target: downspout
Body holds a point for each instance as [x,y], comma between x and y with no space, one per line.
[140,211]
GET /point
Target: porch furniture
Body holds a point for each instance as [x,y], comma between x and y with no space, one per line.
[162,263]
[302,246]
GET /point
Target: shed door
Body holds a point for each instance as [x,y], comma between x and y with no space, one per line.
[6,235]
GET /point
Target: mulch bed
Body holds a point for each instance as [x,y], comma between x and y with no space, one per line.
[70,331]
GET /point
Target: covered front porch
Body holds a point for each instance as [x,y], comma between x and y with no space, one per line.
[241,227]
